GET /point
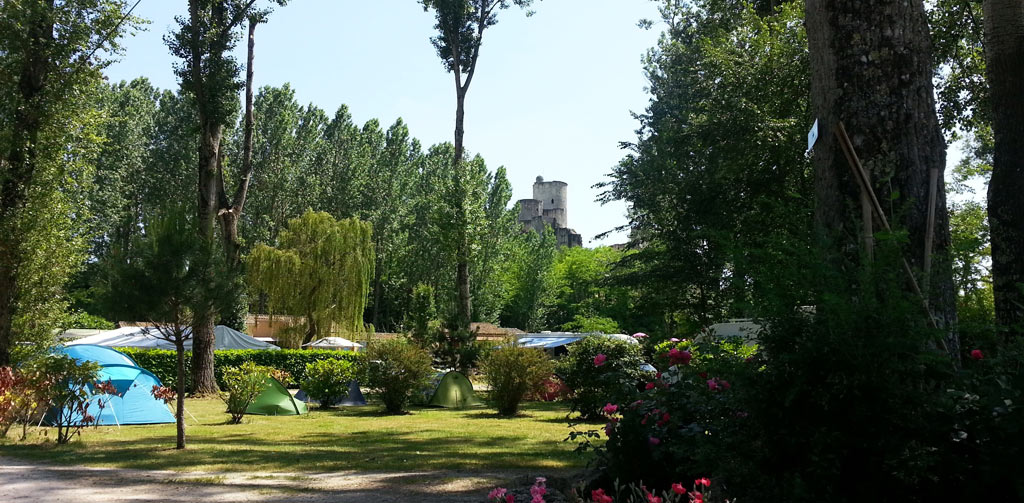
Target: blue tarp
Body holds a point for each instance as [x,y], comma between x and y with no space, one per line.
[547,342]
[133,403]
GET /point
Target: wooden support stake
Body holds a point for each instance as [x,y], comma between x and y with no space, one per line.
[865,184]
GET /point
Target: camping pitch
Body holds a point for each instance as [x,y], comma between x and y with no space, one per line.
[454,391]
[133,403]
[276,401]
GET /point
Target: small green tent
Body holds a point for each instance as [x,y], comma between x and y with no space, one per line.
[454,391]
[276,401]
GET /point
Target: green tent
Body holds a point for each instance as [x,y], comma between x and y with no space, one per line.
[276,401]
[454,391]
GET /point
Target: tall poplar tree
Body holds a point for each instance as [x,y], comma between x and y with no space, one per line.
[51,54]
[460,26]
[209,75]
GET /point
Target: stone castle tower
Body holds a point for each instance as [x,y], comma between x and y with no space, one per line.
[549,206]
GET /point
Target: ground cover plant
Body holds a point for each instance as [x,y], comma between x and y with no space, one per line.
[347,438]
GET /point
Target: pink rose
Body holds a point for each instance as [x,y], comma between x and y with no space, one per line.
[600,359]
[654,440]
[598,496]
[497,494]
[610,409]
[977,355]
[712,384]
[678,488]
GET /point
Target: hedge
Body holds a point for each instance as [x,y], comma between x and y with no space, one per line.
[162,362]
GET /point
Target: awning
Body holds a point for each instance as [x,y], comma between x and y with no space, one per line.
[547,342]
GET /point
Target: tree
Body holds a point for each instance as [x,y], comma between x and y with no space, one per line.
[1004,51]
[161,282]
[717,182]
[531,281]
[209,75]
[461,25]
[320,270]
[50,55]
[880,87]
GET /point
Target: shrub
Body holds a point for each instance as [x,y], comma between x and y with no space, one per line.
[161,362]
[394,369]
[614,376]
[327,380]
[674,426]
[23,397]
[243,384]
[512,372]
[67,383]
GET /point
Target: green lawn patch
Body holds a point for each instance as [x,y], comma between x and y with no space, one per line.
[344,439]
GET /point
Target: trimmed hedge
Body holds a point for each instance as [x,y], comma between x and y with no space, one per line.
[162,362]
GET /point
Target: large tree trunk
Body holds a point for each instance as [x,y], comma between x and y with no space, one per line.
[871,69]
[16,176]
[1004,55]
[464,308]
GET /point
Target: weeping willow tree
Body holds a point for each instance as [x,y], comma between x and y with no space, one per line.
[320,272]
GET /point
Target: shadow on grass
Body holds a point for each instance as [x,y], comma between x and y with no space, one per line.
[313,452]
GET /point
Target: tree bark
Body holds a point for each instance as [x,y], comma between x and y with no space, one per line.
[179,410]
[1004,55]
[464,307]
[231,211]
[871,69]
[21,165]
[203,380]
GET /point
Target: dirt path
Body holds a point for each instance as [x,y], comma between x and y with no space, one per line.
[24,482]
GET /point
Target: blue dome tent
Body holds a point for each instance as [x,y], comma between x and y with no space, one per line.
[133,403]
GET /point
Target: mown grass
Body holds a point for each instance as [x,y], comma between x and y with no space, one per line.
[344,439]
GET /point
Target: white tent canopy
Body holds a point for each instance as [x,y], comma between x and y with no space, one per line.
[149,337]
[333,343]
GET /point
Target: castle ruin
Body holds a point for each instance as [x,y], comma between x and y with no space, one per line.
[548,207]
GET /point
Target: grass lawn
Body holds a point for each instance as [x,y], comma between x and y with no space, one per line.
[358,439]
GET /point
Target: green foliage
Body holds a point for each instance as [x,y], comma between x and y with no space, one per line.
[591,325]
[595,380]
[676,426]
[67,385]
[243,384]
[426,328]
[161,362]
[326,381]
[530,280]
[395,368]
[513,372]
[82,319]
[50,60]
[717,181]
[321,270]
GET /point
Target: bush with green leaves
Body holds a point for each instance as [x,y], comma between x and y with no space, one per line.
[599,370]
[512,372]
[394,368]
[326,381]
[242,385]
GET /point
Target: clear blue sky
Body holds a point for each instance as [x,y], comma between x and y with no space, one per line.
[552,95]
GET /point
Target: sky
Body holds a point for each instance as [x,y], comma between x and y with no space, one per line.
[552,95]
